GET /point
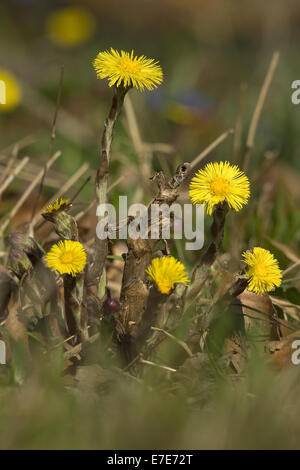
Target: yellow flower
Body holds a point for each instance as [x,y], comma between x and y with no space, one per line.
[57,205]
[66,257]
[70,26]
[127,69]
[10,91]
[219,182]
[166,272]
[262,270]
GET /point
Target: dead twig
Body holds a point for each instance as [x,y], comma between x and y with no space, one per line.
[50,149]
[211,147]
[258,108]
[27,193]
[13,174]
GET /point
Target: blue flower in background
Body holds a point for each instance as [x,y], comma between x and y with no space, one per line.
[184,107]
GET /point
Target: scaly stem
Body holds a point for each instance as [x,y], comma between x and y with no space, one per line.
[97,273]
[73,288]
[217,234]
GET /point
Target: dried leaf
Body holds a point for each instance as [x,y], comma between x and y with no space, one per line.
[282,350]
[260,314]
[288,307]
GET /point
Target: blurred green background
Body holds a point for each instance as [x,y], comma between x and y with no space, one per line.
[206,49]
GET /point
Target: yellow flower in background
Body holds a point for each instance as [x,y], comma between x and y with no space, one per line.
[56,206]
[129,70]
[262,270]
[66,257]
[10,91]
[166,272]
[219,182]
[70,26]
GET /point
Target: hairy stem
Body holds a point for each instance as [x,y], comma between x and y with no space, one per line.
[217,234]
[76,320]
[135,290]
[97,273]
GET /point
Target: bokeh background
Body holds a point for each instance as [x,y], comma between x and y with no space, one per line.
[214,55]
[206,49]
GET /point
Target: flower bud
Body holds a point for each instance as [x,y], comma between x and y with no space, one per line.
[111,306]
[19,263]
[64,225]
[24,243]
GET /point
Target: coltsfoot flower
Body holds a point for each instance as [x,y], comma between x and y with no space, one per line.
[129,70]
[66,257]
[58,205]
[219,182]
[70,26]
[10,91]
[166,272]
[262,270]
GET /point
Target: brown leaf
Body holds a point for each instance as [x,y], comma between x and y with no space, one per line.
[234,354]
[259,312]
[281,358]
[288,307]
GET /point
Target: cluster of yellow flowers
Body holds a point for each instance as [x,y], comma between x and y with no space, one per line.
[214,184]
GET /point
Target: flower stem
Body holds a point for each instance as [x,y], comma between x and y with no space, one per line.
[97,272]
[73,288]
[217,234]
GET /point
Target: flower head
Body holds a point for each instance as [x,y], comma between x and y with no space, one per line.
[58,205]
[10,91]
[262,270]
[129,70]
[70,26]
[166,272]
[66,257]
[219,182]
